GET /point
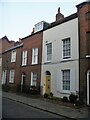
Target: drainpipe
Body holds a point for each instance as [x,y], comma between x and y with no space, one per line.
[79,47]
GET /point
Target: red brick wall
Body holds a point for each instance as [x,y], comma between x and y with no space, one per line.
[84,48]
[8,65]
[6,44]
[34,41]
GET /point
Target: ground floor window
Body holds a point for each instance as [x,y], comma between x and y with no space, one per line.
[4,76]
[66,79]
[12,73]
[33,79]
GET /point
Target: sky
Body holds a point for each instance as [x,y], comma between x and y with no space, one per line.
[18,17]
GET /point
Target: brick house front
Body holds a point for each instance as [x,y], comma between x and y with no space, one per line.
[11,66]
[83,11]
[31,60]
[21,66]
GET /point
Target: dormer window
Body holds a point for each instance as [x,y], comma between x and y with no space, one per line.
[38,26]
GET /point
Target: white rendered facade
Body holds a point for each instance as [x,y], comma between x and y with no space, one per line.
[57,64]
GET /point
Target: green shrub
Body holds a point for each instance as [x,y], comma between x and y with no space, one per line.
[51,94]
[46,95]
[73,98]
[65,99]
[5,88]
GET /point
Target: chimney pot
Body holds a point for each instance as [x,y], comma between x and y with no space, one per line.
[33,31]
[59,10]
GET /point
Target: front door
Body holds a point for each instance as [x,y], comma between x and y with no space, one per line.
[23,82]
[23,79]
[47,86]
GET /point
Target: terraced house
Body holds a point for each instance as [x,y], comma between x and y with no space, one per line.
[66,55]
[4,45]
[11,64]
[54,58]
[22,62]
[60,57]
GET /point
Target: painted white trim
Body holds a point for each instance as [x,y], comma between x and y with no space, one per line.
[88,73]
[87,56]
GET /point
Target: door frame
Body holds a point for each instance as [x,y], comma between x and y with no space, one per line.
[23,76]
[48,74]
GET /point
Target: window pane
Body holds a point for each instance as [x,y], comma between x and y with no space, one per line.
[66,79]
[4,76]
[33,78]
[35,56]
[13,56]
[24,58]
[66,48]
[12,72]
[49,51]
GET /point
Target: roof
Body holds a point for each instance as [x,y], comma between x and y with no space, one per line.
[15,47]
[53,24]
[81,4]
[73,16]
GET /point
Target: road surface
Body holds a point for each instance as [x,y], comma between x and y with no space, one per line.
[13,109]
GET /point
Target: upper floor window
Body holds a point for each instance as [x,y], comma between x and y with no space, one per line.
[13,56]
[66,48]
[66,79]
[49,51]
[34,55]
[24,58]
[33,78]
[12,74]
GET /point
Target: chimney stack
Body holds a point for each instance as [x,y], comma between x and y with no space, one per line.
[33,31]
[59,16]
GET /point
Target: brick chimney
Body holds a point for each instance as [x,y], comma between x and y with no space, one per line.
[33,31]
[59,16]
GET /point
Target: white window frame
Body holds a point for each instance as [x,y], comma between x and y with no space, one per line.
[33,80]
[39,26]
[4,73]
[34,56]
[49,52]
[24,58]
[13,56]
[66,78]
[12,75]
[66,48]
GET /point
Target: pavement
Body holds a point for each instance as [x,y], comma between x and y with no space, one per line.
[43,104]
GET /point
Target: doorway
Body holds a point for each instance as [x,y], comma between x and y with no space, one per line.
[48,82]
[23,82]
[23,79]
